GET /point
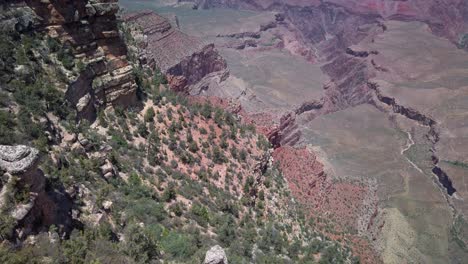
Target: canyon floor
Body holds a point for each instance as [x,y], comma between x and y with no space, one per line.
[387,141]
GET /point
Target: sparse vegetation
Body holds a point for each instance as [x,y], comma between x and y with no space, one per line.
[181,179]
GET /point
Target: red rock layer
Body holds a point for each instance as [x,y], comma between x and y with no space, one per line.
[348,204]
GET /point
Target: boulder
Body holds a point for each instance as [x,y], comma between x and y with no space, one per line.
[83,102]
[70,137]
[107,169]
[107,205]
[77,148]
[216,255]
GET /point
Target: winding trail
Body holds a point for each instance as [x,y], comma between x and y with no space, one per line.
[408,146]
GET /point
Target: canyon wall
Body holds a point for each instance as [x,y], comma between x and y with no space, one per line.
[446,18]
[184,59]
[98,73]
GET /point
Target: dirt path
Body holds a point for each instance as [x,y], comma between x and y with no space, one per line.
[408,146]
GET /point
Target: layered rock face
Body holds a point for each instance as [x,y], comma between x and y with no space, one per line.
[330,27]
[39,208]
[184,59]
[89,30]
[446,17]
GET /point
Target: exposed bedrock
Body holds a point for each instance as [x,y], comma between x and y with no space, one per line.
[184,59]
[286,133]
[90,29]
[40,207]
[447,18]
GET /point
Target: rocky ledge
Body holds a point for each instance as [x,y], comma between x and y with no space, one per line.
[17,159]
[89,31]
[41,207]
[184,59]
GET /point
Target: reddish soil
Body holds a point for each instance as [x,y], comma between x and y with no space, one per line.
[342,202]
[263,122]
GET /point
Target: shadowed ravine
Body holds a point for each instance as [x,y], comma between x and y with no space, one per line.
[433,135]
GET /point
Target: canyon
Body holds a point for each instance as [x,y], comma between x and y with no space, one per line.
[381,107]
[109,153]
[259,131]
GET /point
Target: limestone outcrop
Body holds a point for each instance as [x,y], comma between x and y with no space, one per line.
[38,207]
[215,255]
[17,159]
[184,59]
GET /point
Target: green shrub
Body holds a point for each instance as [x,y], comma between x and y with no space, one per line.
[179,246]
[206,110]
[7,224]
[149,115]
[142,130]
[18,256]
[65,56]
[76,248]
[193,147]
[141,244]
[227,231]
[201,214]
[53,44]
[169,193]
[177,209]
[243,155]
[7,128]
[218,155]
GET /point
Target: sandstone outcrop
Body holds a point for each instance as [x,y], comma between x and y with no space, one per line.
[286,133]
[88,29]
[184,59]
[215,255]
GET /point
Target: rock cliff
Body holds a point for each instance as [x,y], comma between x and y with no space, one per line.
[185,60]
[98,73]
[447,18]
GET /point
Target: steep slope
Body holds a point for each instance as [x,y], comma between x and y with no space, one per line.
[391,111]
[120,169]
